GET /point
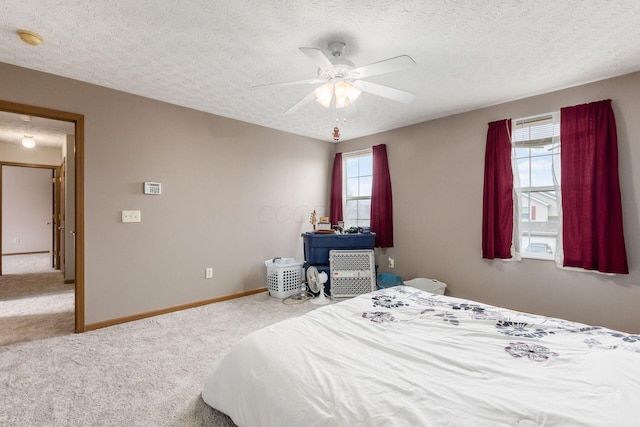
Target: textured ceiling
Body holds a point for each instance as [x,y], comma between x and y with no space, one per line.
[47,133]
[206,54]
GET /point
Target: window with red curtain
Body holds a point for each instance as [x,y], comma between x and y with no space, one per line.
[381,219]
[335,199]
[381,199]
[497,210]
[592,229]
[357,178]
[592,233]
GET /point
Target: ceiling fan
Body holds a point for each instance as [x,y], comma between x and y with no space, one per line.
[341,83]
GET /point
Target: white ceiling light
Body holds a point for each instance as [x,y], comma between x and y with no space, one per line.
[324,94]
[345,94]
[28,141]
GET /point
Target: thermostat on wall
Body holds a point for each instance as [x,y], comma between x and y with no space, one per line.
[152,188]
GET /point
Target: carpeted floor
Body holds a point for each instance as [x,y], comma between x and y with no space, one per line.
[27,263]
[35,306]
[144,373]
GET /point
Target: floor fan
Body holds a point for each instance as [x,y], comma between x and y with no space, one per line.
[316,282]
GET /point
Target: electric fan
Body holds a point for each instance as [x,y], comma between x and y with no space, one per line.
[316,282]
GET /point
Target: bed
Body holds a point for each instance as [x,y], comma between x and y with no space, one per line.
[405,357]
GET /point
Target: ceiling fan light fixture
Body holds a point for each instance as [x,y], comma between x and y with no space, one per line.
[339,79]
[346,94]
[353,93]
[342,102]
[324,94]
[341,89]
[28,141]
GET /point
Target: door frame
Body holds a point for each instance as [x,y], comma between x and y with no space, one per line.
[53,217]
[59,202]
[78,120]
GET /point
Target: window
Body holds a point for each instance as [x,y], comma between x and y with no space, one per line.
[522,170]
[536,162]
[358,175]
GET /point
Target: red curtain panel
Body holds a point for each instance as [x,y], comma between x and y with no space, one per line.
[497,209]
[592,233]
[381,199]
[335,199]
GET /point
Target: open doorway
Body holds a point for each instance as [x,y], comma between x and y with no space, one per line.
[32,204]
[66,222]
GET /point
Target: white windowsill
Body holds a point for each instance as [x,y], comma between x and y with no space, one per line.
[540,256]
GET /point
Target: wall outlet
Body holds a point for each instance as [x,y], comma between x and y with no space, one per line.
[391,262]
[208,273]
[131,216]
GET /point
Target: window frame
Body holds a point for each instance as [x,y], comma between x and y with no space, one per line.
[537,141]
[345,177]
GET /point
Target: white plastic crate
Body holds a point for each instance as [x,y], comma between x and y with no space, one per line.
[284,276]
[430,285]
[352,272]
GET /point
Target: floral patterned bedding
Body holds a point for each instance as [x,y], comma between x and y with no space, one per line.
[404,357]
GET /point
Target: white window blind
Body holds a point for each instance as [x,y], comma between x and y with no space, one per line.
[537,131]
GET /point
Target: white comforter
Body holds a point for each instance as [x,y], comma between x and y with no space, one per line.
[404,357]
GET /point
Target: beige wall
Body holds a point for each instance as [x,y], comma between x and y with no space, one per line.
[437,177]
[27,205]
[233,195]
[16,153]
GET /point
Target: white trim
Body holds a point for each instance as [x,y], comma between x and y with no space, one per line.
[358,153]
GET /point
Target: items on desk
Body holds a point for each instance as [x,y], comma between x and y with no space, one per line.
[324,224]
[313,219]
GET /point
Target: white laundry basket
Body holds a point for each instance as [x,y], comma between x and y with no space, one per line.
[284,276]
[430,285]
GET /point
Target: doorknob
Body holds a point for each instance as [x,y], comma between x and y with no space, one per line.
[61,228]
[72,232]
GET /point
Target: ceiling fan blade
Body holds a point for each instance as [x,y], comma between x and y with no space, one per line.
[293,83]
[385,91]
[304,101]
[390,65]
[317,57]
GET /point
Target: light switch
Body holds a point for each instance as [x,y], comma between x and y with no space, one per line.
[131,216]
